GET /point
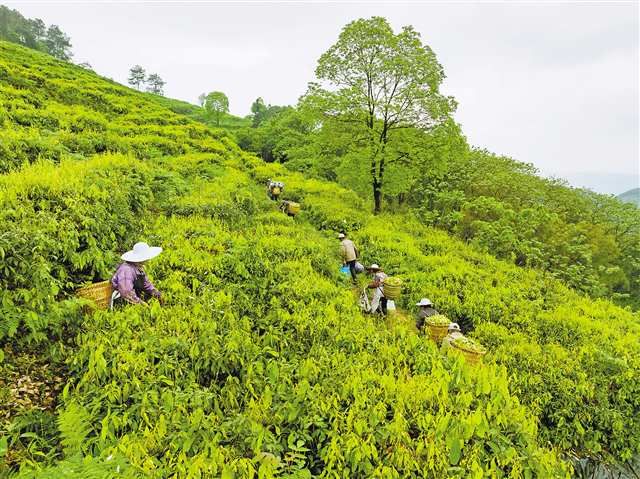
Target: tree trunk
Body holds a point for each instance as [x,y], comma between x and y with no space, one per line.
[377,199]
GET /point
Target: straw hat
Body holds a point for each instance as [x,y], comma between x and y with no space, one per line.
[141,252]
[424,302]
[374,267]
[453,327]
[341,236]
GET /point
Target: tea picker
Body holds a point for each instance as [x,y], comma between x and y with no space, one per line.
[349,254]
[274,188]
[471,350]
[379,300]
[426,310]
[453,333]
[290,208]
[130,282]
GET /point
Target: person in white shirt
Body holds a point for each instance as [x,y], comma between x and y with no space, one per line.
[378,300]
[453,333]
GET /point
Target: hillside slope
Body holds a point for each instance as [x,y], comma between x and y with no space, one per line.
[52,110]
[260,362]
[631,196]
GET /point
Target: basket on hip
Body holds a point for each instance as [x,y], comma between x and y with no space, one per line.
[293,208]
[98,293]
[392,288]
[472,357]
[437,332]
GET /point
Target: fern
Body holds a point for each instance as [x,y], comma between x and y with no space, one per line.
[83,468]
[74,424]
[9,322]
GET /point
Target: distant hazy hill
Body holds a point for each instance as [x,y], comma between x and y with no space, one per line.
[631,196]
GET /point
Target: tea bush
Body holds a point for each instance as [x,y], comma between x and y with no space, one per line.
[49,109]
[260,363]
[571,359]
[60,225]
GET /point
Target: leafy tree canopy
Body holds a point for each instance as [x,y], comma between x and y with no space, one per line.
[33,33]
[155,84]
[216,105]
[379,82]
[137,76]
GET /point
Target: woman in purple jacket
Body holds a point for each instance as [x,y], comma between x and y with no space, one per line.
[130,282]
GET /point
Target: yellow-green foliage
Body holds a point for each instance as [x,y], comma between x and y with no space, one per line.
[438,320]
[573,360]
[49,109]
[260,363]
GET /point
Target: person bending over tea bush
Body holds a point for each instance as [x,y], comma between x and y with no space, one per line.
[453,334]
[274,188]
[130,282]
[426,310]
[378,300]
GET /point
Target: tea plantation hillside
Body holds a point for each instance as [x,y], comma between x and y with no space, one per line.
[260,364]
[52,110]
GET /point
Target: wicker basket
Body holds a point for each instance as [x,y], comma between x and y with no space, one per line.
[393,290]
[473,358]
[99,293]
[437,332]
[293,208]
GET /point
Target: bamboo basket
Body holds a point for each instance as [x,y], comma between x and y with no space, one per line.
[392,290]
[437,332]
[293,208]
[473,358]
[99,293]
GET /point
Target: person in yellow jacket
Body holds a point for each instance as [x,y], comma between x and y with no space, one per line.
[349,254]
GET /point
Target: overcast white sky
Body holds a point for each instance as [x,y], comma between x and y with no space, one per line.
[553,84]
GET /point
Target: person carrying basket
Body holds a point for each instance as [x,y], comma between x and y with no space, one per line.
[130,282]
[379,301]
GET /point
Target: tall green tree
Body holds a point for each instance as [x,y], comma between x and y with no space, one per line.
[33,33]
[216,104]
[258,111]
[381,82]
[58,43]
[38,28]
[155,84]
[261,112]
[137,76]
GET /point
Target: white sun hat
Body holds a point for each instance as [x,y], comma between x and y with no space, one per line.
[341,236]
[424,302]
[373,267]
[453,327]
[141,252]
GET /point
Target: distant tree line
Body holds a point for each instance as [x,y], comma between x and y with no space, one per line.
[153,82]
[33,33]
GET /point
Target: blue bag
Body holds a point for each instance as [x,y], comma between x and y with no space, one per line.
[345,270]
